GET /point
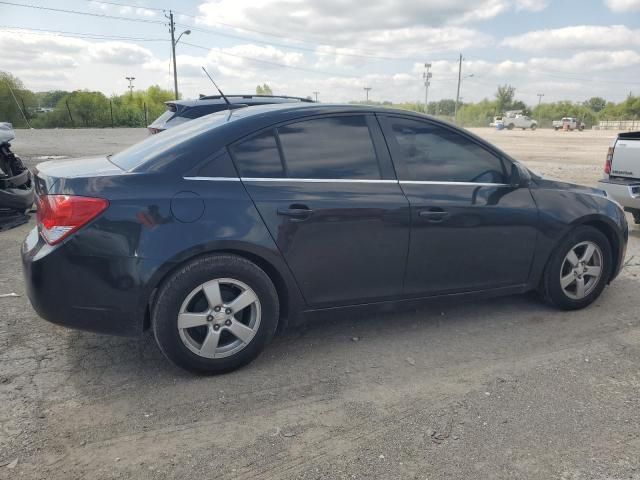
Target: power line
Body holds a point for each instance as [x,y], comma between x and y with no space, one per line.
[117,4]
[77,12]
[62,33]
[261,32]
[269,62]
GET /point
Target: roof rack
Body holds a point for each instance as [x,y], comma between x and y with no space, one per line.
[216,97]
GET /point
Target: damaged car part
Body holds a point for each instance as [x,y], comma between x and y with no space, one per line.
[16,183]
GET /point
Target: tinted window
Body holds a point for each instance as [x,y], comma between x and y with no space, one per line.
[434,153]
[258,156]
[219,166]
[201,111]
[337,147]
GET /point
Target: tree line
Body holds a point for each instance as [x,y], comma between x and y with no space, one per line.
[83,108]
[480,114]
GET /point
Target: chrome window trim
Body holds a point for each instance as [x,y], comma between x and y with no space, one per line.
[315,180]
[471,184]
[342,180]
[214,179]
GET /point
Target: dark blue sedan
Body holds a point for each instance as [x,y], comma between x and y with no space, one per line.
[221,231]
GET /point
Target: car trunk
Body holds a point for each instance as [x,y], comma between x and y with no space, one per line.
[53,177]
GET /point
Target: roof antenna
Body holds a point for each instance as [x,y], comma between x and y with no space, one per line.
[217,88]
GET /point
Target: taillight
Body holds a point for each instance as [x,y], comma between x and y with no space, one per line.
[61,215]
[607,164]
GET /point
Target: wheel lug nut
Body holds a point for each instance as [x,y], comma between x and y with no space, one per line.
[217,308]
[228,311]
[216,327]
[209,318]
[227,323]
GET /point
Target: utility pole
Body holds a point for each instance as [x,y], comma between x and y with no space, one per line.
[172,30]
[427,81]
[174,42]
[366,89]
[316,94]
[455,114]
[130,87]
[540,95]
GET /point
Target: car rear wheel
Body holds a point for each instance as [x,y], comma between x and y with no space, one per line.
[578,270]
[215,314]
[511,126]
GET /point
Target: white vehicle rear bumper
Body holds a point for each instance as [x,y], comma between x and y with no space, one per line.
[625,191]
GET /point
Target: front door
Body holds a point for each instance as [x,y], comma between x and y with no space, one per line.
[471,230]
[326,190]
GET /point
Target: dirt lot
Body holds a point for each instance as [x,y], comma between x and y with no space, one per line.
[506,388]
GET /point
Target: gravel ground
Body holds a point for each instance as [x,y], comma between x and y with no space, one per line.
[500,389]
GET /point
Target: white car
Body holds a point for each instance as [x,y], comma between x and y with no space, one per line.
[519,121]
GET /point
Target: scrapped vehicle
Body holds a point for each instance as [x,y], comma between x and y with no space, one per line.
[568,123]
[221,231]
[180,111]
[16,185]
[622,172]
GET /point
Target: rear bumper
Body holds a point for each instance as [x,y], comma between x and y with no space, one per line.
[625,191]
[97,294]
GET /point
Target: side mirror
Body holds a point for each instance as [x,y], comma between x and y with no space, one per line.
[520,176]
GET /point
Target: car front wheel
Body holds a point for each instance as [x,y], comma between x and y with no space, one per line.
[578,270]
[215,314]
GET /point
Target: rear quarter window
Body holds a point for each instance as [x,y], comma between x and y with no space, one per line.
[258,156]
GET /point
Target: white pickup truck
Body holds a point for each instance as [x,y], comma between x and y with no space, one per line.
[622,172]
[570,122]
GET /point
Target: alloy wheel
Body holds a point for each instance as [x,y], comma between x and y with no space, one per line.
[581,270]
[219,318]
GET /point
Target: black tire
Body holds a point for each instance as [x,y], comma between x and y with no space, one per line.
[556,128]
[181,283]
[534,126]
[551,289]
[511,126]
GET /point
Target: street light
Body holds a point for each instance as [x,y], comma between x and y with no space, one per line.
[130,87]
[186,32]
[316,94]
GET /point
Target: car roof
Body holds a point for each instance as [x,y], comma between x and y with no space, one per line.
[238,99]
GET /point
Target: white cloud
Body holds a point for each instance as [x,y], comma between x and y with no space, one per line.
[119,53]
[123,9]
[401,28]
[623,5]
[580,37]
[532,5]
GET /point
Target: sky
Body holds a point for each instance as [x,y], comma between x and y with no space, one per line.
[564,49]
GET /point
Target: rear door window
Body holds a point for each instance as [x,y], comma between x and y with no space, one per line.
[329,148]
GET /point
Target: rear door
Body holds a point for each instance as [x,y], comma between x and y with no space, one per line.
[326,190]
[470,230]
